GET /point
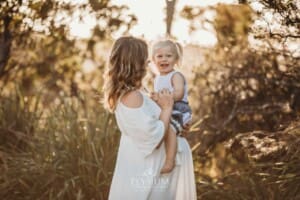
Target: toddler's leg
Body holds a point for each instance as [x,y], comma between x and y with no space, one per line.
[171,149]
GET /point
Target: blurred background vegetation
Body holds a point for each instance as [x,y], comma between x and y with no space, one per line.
[57,142]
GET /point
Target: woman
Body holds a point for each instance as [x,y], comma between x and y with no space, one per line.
[143,124]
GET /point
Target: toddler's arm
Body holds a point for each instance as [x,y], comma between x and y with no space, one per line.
[178,85]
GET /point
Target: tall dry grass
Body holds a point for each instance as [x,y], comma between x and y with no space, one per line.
[64,151]
[266,167]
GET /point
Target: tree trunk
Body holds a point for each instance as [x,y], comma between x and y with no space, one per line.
[5,44]
[170,13]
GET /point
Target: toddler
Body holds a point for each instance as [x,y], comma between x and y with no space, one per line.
[166,55]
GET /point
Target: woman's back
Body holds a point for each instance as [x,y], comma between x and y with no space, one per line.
[138,161]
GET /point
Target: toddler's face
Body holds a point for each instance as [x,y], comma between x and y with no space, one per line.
[164,59]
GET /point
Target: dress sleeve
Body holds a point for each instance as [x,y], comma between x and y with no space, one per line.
[144,128]
[154,130]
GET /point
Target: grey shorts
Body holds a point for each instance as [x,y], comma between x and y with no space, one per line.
[181,109]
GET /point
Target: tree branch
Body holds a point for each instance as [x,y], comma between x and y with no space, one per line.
[283,35]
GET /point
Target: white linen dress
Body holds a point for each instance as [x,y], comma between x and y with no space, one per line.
[137,171]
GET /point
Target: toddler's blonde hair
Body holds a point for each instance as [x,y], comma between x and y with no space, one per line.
[175,47]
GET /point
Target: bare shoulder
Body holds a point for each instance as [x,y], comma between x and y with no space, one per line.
[133,99]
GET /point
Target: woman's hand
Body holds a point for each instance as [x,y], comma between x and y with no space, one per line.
[185,130]
[154,96]
[165,99]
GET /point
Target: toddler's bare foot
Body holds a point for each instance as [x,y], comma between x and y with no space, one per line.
[168,166]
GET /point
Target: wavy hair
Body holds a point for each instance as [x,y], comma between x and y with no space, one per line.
[125,69]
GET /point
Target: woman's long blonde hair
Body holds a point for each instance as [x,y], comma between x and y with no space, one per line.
[125,69]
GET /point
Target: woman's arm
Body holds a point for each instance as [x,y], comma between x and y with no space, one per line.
[165,101]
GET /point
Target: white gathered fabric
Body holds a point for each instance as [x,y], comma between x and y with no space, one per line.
[137,171]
